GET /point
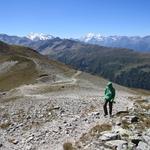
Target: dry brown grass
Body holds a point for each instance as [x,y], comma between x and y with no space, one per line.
[125,124]
[145,106]
[144,121]
[88,110]
[144,118]
[8,99]
[5,125]
[68,146]
[23,72]
[100,128]
[95,131]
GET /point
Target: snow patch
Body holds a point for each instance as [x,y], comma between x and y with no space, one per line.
[39,36]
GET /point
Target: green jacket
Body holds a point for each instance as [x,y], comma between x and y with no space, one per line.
[109,92]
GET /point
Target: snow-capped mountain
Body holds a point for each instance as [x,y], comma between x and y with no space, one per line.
[132,42]
[39,36]
[92,36]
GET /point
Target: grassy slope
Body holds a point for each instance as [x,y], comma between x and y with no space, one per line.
[25,71]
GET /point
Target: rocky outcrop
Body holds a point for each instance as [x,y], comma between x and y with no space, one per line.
[128,131]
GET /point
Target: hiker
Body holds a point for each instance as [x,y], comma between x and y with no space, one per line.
[109,98]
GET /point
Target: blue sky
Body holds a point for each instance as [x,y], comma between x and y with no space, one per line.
[75,18]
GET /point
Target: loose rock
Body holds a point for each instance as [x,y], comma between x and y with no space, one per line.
[117,144]
[109,136]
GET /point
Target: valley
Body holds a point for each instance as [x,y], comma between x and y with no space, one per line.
[120,65]
[59,108]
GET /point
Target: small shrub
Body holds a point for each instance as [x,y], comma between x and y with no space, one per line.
[100,128]
[68,146]
[146,122]
[5,125]
[125,124]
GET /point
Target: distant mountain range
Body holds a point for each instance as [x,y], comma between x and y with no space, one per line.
[33,40]
[132,42]
[123,66]
[32,37]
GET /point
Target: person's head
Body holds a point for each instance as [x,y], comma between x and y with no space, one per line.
[109,84]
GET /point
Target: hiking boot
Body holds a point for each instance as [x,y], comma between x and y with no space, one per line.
[110,116]
[105,115]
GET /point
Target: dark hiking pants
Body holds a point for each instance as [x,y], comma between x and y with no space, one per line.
[105,107]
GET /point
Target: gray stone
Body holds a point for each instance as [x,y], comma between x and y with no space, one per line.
[19,125]
[109,136]
[29,139]
[28,117]
[118,122]
[124,133]
[29,147]
[135,139]
[85,119]
[95,113]
[130,119]
[42,142]
[14,141]
[146,136]
[131,146]
[142,146]
[117,144]
[56,107]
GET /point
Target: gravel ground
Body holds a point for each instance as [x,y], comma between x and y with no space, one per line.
[44,116]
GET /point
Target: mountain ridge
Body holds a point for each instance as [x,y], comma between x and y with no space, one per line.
[137,43]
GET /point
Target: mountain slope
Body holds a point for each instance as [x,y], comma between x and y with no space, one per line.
[53,105]
[122,66]
[15,40]
[21,65]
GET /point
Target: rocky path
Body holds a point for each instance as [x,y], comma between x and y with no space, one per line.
[71,80]
[50,120]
